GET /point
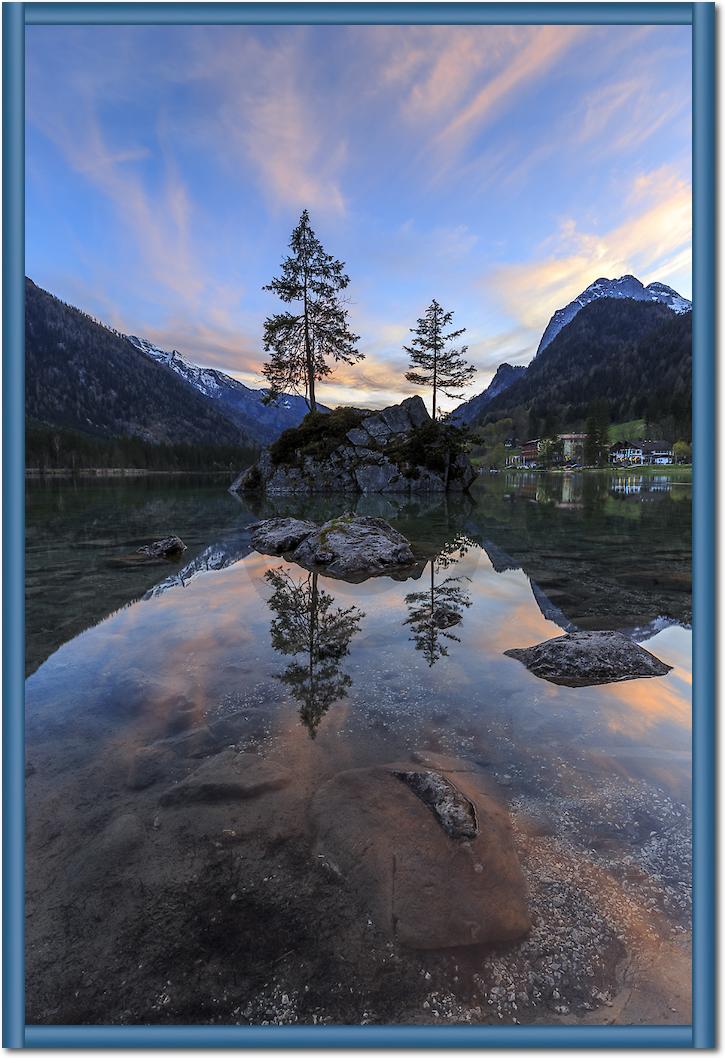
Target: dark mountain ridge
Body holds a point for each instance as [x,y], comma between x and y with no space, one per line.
[81,376]
[471,410]
[636,355]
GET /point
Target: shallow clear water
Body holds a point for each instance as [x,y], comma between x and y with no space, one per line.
[214,650]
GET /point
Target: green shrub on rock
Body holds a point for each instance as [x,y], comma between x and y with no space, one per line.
[318,435]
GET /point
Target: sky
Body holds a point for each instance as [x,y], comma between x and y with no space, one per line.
[499,169]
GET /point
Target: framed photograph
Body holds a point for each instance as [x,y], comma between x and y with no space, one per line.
[358,405]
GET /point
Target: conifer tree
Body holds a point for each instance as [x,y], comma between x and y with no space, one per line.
[301,343]
[432,361]
[596,444]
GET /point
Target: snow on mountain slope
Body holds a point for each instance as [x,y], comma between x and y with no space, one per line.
[624,287]
[240,403]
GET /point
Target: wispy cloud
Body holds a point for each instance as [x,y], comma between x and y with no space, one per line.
[156,223]
[171,163]
[536,53]
[652,240]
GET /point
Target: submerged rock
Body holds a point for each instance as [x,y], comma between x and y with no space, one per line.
[147,766]
[229,776]
[582,659]
[430,853]
[166,548]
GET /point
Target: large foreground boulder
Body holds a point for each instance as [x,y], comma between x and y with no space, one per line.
[582,659]
[398,449]
[428,851]
[348,547]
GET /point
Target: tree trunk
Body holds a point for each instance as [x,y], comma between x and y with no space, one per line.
[308,357]
[435,360]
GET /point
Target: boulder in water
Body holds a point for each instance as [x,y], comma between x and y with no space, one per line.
[169,547]
[583,659]
[276,536]
[352,546]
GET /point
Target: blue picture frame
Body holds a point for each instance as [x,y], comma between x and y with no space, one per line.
[701,1034]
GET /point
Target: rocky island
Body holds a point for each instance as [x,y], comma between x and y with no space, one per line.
[399,449]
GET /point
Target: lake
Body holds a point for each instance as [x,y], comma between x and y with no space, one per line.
[144,910]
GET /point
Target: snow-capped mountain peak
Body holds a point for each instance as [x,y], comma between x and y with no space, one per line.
[669,297]
[241,404]
[626,286]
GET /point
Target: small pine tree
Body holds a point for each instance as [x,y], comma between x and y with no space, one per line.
[300,344]
[432,363]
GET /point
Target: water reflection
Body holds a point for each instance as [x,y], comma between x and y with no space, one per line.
[596,779]
[319,636]
[432,613]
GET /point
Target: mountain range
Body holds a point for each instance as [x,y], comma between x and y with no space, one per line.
[618,341]
[240,404]
[83,376]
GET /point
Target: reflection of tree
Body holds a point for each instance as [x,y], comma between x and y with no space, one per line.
[305,623]
[433,612]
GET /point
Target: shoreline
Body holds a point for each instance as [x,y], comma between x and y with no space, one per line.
[118,472]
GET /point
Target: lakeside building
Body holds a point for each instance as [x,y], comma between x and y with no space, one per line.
[530,452]
[642,453]
[572,446]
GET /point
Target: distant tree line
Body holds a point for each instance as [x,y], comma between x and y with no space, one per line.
[50,448]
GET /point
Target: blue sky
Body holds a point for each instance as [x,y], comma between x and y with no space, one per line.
[499,169]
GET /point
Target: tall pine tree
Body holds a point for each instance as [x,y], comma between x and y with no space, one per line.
[301,343]
[432,361]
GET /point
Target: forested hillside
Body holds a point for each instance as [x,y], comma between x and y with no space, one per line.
[636,356]
[81,376]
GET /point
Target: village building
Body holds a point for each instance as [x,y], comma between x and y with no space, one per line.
[641,453]
[530,452]
[572,446]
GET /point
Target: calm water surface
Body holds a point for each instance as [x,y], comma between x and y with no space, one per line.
[139,912]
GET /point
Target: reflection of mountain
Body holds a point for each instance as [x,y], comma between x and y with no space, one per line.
[502,562]
[434,612]
[216,556]
[318,636]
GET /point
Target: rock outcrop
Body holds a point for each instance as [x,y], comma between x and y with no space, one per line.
[429,852]
[583,659]
[371,457]
[348,547]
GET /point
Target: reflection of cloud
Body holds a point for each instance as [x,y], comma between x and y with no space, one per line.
[634,707]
